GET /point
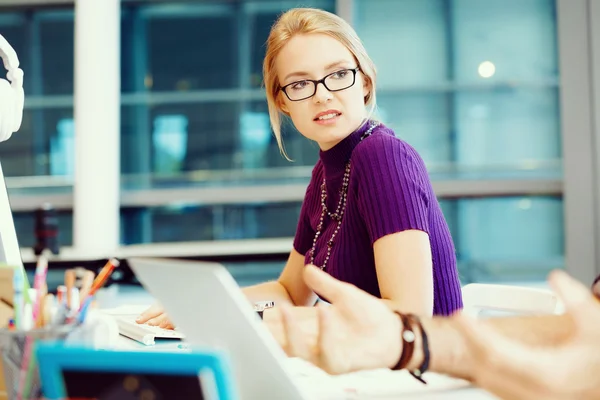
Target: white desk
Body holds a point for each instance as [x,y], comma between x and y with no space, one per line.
[384,385]
[398,385]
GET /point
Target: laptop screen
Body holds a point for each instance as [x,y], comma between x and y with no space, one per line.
[10,252]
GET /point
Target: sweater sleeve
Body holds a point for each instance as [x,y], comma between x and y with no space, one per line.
[304,231]
[393,182]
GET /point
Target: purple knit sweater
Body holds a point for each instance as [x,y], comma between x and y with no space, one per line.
[389,191]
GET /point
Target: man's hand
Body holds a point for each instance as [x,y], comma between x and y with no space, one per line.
[357,331]
[305,318]
[515,371]
[155,316]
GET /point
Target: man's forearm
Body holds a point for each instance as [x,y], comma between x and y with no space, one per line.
[447,347]
[544,330]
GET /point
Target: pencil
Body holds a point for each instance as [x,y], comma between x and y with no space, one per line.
[104,275]
[86,285]
[100,279]
[69,283]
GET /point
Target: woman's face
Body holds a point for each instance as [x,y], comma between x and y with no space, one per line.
[330,115]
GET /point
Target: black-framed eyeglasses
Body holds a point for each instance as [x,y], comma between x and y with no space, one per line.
[334,82]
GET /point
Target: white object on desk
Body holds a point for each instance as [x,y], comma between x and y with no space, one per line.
[479,298]
[75,300]
[126,309]
[98,331]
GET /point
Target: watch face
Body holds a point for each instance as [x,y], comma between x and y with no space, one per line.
[263,305]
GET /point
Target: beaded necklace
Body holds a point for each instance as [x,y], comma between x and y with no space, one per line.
[339,211]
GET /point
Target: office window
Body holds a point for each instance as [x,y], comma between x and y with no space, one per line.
[39,158]
[182,223]
[510,239]
[207,121]
[468,89]
[301,151]
[25,227]
[15,27]
[43,41]
[209,70]
[55,52]
[191,51]
[203,134]
[254,272]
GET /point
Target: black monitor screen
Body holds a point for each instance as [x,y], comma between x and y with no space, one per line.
[100,385]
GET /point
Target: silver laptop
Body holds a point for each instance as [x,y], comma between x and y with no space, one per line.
[205,302]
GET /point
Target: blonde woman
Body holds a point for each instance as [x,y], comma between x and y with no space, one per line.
[370,216]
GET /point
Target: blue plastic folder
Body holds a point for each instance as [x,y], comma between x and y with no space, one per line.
[79,372]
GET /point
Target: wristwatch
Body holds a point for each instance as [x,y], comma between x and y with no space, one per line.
[261,306]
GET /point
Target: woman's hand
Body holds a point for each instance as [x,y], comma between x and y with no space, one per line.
[155,316]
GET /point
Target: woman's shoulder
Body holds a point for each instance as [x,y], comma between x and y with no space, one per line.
[384,145]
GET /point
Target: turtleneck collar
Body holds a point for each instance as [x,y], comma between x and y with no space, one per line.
[334,160]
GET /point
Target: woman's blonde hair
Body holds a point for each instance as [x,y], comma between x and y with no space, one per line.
[304,21]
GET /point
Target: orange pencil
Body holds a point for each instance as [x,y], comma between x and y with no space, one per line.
[106,270]
[101,278]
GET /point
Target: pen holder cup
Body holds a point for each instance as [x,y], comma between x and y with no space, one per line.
[20,370]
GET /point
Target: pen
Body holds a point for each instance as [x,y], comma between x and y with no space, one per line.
[39,282]
[84,309]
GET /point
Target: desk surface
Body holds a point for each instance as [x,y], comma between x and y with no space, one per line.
[365,385]
[380,384]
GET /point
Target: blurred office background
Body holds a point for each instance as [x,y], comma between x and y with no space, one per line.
[496,95]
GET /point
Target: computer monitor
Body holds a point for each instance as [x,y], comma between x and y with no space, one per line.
[10,253]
